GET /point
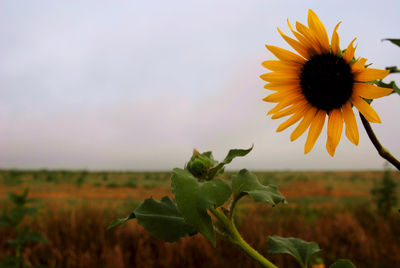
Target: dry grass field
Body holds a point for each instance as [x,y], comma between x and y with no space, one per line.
[334,209]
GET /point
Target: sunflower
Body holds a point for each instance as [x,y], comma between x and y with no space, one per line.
[321,80]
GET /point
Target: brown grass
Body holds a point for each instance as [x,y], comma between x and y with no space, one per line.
[79,238]
[301,190]
[87,192]
[74,220]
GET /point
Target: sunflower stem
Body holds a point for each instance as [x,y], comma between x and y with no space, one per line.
[381,150]
[234,237]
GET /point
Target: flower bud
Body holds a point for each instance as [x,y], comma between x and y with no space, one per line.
[199,164]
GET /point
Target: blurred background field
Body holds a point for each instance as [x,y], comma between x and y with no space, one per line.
[336,209]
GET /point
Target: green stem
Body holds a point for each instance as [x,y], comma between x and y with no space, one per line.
[236,239]
[233,205]
[18,256]
[381,150]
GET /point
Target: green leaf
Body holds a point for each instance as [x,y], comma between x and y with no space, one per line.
[230,156]
[18,213]
[9,261]
[162,219]
[19,199]
[235,153]
[214,192]
[15,242]
[34,237]
[194,198]
[301,250]
[246,182]
[6,221]
[118,222]
[393,69]
[394,41]
[391,85]
[342,264]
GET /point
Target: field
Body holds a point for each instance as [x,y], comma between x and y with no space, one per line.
[334,209]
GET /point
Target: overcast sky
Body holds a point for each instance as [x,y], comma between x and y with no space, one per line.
[138,84]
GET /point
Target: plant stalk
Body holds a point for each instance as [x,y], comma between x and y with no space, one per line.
[233,205]
[236,239]
[18,256]
[381,150]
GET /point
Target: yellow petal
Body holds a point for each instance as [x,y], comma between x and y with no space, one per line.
[319,30]
[309,35]
[277,65]
[293,119]
[285,55]
[295,45]
[279,76]
[304,124]
[370,91]
[359,65]
[290,110]
[335,127]
[370,74]
[286,102]
[364,108]
[289,85]
[349,54]
[335,40]
[280,95]
[351,124]
[311,47]
[315,130]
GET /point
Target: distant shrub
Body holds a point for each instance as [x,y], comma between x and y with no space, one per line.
[12,177]
[150,185]
[303,177]
[51,177]
[81,178]
[35,176]
[112,185]
[66,176]
[131,183]
[354,178]
[329,188]
[289,178]
[384,194]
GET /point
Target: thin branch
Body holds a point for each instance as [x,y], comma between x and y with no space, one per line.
[381,150]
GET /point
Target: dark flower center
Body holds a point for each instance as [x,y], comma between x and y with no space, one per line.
[326,81]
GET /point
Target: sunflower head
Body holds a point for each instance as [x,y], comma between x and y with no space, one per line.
[320,80]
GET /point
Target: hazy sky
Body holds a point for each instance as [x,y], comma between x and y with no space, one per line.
[139,84]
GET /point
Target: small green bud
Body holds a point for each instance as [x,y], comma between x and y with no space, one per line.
[200,164]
